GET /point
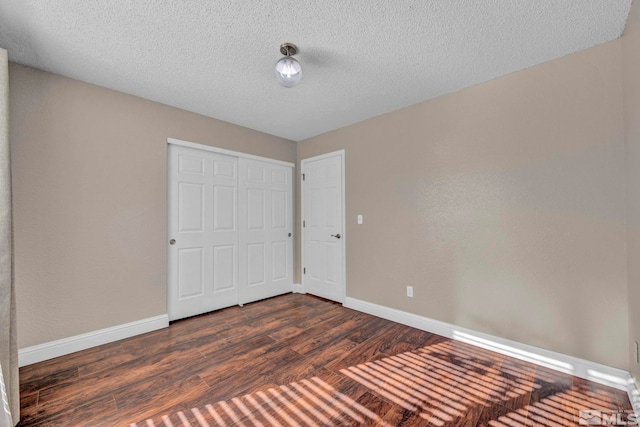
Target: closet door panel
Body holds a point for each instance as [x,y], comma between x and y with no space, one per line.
[266,250]
[202,231]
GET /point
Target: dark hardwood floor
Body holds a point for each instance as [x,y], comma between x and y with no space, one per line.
[297,360]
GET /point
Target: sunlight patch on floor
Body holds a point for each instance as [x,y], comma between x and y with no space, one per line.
[443,383]
[310,402]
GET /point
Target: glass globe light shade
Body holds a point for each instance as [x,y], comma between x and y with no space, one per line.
[288,71]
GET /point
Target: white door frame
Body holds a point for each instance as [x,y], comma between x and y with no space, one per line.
[343,240]
[209,148]
[175,141]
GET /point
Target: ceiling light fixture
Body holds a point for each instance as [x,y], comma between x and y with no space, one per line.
[288,70]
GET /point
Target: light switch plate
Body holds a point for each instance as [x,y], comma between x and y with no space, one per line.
[359,219]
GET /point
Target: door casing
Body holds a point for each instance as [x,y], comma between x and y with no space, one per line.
[240,156]
[343,240]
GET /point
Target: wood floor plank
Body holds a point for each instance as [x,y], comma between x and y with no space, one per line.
[299,360]
[513,385]
[44,369]
[318,340]
[63,414]
[375,408]
[342,384]
[157,402]
[374,326]
[320,357]
[253,374]
[372,349]
[498,415]
[56,377]
[107,381]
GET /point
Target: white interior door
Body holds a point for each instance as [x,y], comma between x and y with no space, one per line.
[323,226]
[266,249]
[203,231]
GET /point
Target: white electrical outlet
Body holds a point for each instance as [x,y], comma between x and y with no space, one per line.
[359,219]
[410,291]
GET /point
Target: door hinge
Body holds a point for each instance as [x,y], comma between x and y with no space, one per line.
[304,224]
[303,177]
[304,270]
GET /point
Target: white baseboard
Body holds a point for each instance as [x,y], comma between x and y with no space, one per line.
[633,390]
[49,350]
[298,289]
[602,374]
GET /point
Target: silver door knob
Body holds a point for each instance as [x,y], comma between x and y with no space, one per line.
[172,241]
[337,236]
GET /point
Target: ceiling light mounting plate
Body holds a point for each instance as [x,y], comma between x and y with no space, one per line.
[288,49]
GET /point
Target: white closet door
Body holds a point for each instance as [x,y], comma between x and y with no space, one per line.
[266,250]
[203,231]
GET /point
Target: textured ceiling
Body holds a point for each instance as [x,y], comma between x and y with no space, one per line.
[360,58]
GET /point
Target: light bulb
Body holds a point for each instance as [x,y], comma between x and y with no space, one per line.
[288,71]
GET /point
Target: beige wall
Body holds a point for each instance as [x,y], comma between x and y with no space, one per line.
[631,73]
[89,175]
[503,205]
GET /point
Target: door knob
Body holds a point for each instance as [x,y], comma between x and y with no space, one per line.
[337,236]
[172,241]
